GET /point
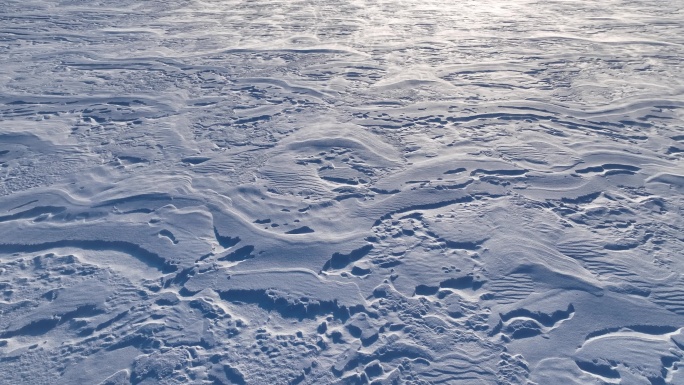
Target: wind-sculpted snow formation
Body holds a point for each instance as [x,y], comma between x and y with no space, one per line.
[341,192]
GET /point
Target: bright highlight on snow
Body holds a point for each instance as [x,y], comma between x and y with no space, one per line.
[341,192]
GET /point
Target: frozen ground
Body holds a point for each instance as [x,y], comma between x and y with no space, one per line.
[341,192]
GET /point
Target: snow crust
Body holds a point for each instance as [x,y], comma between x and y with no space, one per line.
[341,192]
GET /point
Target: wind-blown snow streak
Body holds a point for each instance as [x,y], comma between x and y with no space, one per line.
[341,192]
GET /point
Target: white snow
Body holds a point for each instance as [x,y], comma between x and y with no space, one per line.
[341,192]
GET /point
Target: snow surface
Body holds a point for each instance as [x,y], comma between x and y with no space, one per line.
[341,192]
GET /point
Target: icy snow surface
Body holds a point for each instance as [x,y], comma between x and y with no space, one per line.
[341,192]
